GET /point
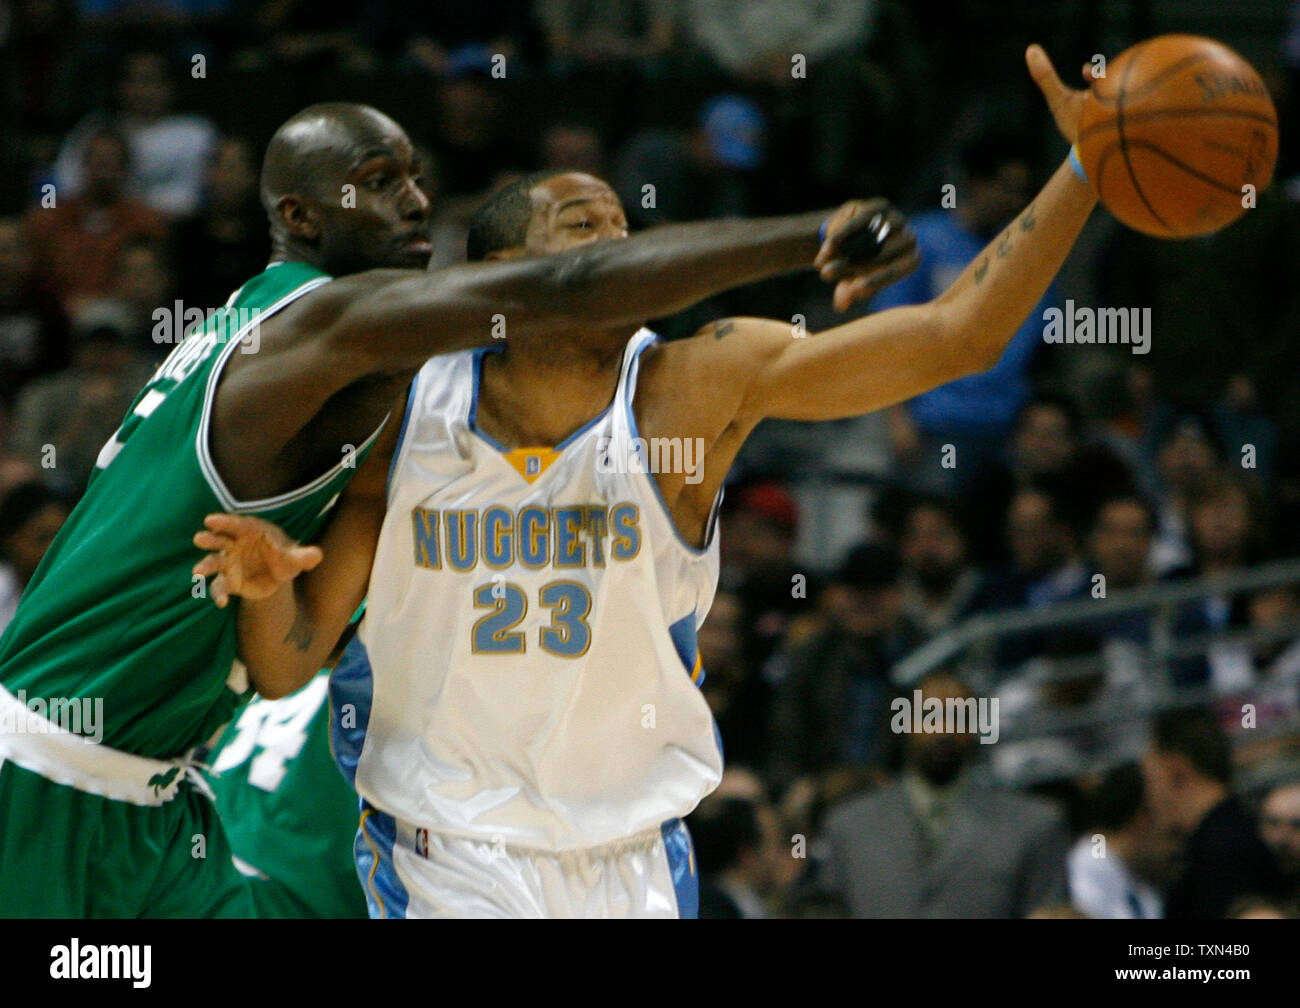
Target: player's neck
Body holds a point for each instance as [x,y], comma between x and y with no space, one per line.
[526,400]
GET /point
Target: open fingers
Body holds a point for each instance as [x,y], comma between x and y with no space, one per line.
[213,563]
[1045,75]
[220,589]
[308,557]
[213,541]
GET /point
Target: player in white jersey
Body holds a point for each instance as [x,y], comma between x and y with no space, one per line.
[562,711]
[517,711]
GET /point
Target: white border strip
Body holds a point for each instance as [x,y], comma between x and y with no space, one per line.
[208,465]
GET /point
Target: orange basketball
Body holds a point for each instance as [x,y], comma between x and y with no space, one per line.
[1174,132]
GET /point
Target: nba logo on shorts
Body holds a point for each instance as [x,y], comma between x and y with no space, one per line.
[422,842]
[533,466]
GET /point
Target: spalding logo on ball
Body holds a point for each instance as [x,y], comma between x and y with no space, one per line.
[1174,134]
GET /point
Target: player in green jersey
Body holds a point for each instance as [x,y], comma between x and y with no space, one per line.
[289,813]
[267,412]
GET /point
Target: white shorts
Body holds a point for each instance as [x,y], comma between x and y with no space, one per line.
[410,872]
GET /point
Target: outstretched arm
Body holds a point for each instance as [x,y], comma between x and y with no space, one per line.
[894,355]
[367,333]
[386,321]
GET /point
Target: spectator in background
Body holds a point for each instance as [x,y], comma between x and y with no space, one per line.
[1113,866]
[1249,435]
[698,174]
[142,284]
[67,418]
[605,36]
[1188,456]
[1046,561]
[472,139]
[168,150]
[940,584]
[33,328]
[1188,775]
[737,840]
[1127,416]
[30,517]
[225,243]
[1226,535]
[1047,450]
[76,242]
[1279,825]
[974,414]
[1226,530]
[1046,568]
[759,528]
[1261,677]
[1045,442]
[313,41]
[14,471]
[444,39]
[934,843]
[755,40]
[738,697]
[1120,542]
[834,75]
[831,704]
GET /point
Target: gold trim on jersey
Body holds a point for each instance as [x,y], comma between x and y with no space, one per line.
[531,463]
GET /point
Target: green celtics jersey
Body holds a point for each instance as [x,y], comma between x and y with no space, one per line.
[290,816]
[113,612]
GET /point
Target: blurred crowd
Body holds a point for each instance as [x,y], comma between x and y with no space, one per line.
[131,134]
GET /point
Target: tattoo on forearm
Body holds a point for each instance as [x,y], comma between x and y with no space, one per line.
[1027,223]
[301,633]
[722,328]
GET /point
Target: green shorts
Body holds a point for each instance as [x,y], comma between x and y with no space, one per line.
[274,900]
[67,853]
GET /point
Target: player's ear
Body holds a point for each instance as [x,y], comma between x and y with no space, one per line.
[297,218]
[506,254]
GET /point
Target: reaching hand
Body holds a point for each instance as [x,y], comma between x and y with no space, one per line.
[1066,103]
[868,246]
[250,557]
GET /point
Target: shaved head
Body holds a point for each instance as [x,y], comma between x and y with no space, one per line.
[340,188]
[319,143]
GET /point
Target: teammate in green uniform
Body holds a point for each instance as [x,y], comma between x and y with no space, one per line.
[290,815]
[272,420]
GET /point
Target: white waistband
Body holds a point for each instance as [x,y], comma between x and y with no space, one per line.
[35,743]
[415,837]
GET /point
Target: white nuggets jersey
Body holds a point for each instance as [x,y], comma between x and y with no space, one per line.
[527,669]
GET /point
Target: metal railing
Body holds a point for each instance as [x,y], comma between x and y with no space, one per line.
[971,650]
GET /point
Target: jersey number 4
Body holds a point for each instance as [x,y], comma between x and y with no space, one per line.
[567,636]
[276,727]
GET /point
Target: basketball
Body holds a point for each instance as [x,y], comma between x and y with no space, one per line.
[1173,133]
